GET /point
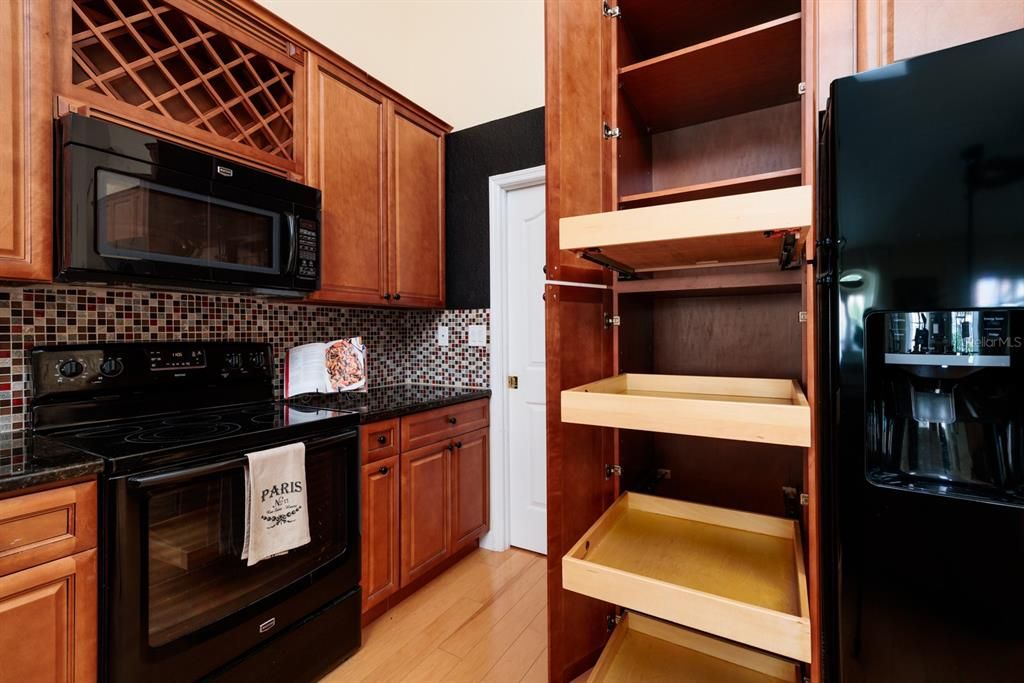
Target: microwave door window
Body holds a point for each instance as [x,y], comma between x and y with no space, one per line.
[140,220]
[244,238]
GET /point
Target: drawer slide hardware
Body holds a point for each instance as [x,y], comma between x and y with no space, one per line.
[610,12]
[612,471]
[610,132]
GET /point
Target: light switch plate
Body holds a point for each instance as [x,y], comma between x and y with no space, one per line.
[477,335]
[442,335]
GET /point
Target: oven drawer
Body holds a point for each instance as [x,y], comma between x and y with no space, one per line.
[436,425]
[44,526]
[378,440]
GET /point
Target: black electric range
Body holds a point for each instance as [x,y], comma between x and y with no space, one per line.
[173,422]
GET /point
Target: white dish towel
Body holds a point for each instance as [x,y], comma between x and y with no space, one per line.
[276,514]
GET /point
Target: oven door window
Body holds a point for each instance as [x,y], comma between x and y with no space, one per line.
[194,532]
[139,219]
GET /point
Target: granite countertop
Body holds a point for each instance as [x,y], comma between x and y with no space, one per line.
[395,400]
[27,460]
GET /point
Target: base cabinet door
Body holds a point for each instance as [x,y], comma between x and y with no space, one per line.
[469,484]
[424,509]
[48,621]
[380,531]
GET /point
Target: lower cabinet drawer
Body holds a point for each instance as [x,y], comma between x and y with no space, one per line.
[439,424]
[379,440]
[44,526]
[646,649]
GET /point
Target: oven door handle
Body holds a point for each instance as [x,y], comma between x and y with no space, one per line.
[179,475]
[151,480]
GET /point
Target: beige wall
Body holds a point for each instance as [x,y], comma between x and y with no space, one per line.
[467,61]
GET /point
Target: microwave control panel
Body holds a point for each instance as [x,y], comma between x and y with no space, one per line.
[309,239]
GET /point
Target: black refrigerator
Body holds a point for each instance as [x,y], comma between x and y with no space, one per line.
[920,267]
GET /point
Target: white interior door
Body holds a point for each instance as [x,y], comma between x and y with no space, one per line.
[527,452]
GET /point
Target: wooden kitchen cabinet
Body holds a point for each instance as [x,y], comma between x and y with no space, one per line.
[348,165]
[426,498]
[26,148]
[380,526]
[415,210]
[469,488]
[48,587]
[48,621]
[854,36]
[425,519]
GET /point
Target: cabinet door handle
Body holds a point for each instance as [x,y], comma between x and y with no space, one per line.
[387,297]
[384,470]
[458,444]
[449,447]
[397,296]
[382,439]
[452,420]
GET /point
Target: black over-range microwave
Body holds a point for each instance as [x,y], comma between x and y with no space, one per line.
[138,209]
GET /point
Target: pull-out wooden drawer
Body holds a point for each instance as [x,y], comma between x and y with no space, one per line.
[39,527]
[645,649]
[379,440]
[436,425]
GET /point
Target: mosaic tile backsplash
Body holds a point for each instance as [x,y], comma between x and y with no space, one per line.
[401,344]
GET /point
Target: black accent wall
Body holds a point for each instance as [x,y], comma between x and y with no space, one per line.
[472,155]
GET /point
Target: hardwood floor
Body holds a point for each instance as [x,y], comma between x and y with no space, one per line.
[485,619]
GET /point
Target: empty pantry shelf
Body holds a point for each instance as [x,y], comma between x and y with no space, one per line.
[739,228]
[739,408]
[736,575]
[646,649]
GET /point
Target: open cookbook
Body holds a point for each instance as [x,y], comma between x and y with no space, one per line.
[334,366]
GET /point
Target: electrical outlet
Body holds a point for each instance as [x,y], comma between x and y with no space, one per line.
[442,335]
[477,335]
[664,474]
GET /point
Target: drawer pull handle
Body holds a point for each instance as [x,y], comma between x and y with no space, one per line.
[383,470]
[449,447]
[382,439]
[452,420]
[458,444]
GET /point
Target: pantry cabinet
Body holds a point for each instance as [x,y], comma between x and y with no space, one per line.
[853,36]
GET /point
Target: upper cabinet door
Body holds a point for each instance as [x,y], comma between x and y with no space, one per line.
[26,156]
[347,158]
[416,210]
[205,73]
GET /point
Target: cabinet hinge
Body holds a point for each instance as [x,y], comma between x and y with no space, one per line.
[610,132]
[612,471]
[612,321]
[793,500]
[802,316]
[611,12]
[613,620]
[801,88]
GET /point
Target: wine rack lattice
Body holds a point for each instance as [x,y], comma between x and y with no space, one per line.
[157,58]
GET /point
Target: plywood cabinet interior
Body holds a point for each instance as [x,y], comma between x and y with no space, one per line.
[26,156]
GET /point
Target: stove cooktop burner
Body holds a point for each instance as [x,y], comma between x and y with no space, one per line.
[182,432]
[145,435]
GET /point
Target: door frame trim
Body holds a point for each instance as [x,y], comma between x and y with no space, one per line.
[499,186]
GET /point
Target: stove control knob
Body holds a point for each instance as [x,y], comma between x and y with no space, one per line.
[111,367]
[257,360]
[70,369]
[234,360]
